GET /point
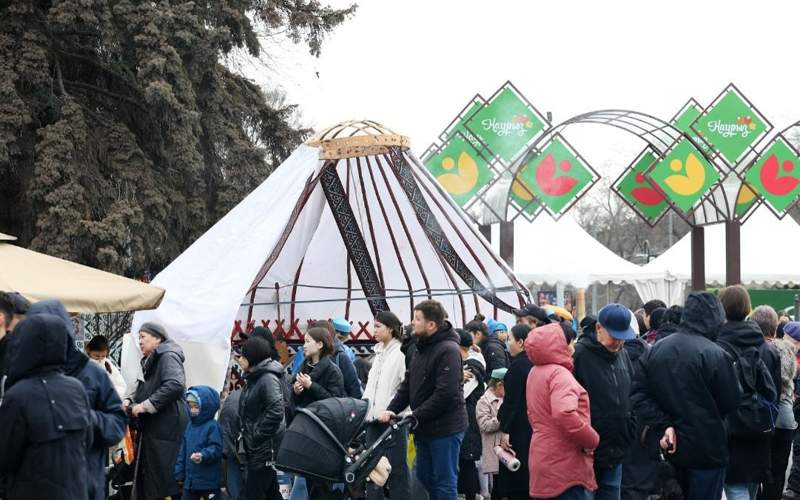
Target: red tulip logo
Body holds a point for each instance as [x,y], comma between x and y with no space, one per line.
[646,195]
[547,180]
[771,180]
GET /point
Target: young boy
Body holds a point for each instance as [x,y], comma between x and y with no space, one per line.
[198,467]
[486,413]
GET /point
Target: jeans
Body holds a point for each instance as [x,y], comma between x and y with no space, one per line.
[609,483]
[781,447]
[399,479]
[299,489]
[201,495]
[437,465]
[701,484]
[235,479]
[744,491]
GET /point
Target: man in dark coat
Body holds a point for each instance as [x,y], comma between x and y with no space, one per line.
[603,368]
[159,404]
[684,387]
[749,463]
[45,421]
[108,417]
[433,389]
[493,350]
[515,427]
[262,416]
[6,317]
[639,468]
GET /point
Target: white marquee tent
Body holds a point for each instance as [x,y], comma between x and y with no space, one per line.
[769,249]
[351,222]
[562,252]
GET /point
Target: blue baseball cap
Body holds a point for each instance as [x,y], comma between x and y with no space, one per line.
[616,319]
[341,325]
[498,326]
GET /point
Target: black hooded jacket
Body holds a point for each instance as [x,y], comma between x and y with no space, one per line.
[433,386]
[108,419]
[472,446]
[326,382]
[607,377]
[45,420]
[750,457]
[494,352]
[261,413]
[688,382]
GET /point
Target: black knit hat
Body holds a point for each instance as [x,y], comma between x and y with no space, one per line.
[256,350]
[154,329]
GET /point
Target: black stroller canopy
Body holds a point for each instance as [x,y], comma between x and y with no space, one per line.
[343,416]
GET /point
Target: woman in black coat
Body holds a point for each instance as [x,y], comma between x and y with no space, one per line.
[45,421]
[319,377]
[158,403]
[515,427]
[262,418]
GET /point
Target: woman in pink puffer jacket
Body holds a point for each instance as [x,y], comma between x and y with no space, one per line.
[560,455]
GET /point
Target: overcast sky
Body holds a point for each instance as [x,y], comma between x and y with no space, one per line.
[414,64]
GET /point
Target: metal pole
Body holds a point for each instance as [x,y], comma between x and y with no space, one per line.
[507,243]
[733,253]
[594,299]
[486,231]
[669,227]
[580,302]
[698,259]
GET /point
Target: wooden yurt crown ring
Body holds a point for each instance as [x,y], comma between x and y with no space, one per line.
[356,138]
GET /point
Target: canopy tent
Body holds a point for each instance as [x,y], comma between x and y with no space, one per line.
[553,252]
[349,224]
[82,289]
[768,256]
[7,237]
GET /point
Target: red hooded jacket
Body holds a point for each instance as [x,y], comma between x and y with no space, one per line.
[560,455]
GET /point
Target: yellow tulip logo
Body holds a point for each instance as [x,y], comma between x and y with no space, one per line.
[464,179]
[746,195]
[521,191]
[689,183]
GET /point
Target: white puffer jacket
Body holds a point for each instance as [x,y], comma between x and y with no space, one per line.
[387,372]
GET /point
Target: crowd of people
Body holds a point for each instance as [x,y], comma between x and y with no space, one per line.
[662,403]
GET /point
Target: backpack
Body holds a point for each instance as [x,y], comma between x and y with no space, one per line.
[755,415]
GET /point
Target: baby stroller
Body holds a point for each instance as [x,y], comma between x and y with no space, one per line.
[317,446]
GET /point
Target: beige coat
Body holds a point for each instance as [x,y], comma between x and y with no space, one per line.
[486,412]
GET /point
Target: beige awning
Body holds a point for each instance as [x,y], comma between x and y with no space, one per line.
[7,237]
[82,289]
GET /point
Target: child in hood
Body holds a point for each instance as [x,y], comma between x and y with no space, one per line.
[199,464]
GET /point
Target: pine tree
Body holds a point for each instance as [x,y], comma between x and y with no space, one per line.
[123,136]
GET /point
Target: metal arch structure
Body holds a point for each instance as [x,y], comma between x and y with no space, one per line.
[658,134]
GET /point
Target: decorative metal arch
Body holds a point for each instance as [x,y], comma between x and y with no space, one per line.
[657,133]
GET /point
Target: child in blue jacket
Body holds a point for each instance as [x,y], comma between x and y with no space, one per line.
[199,464]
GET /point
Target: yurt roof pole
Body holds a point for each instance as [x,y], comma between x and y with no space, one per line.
[434,231]
[351,236]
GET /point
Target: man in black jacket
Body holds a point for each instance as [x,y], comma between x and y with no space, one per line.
[683,388]
[433,389]
[603,368]
[493,350]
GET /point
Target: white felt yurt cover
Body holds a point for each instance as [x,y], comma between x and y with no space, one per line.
[279,257]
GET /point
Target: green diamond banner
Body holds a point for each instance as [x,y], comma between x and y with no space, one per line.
[557,175]
[634,188]
[731,125]
[685,118]
[506,124]
[684,175]
[776,175]
[459,168]
[459,124]
[522,195]
[745,200]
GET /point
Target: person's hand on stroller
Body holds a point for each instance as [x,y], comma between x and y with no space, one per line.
[386,416]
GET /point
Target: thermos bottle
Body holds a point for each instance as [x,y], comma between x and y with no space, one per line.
[507,458]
